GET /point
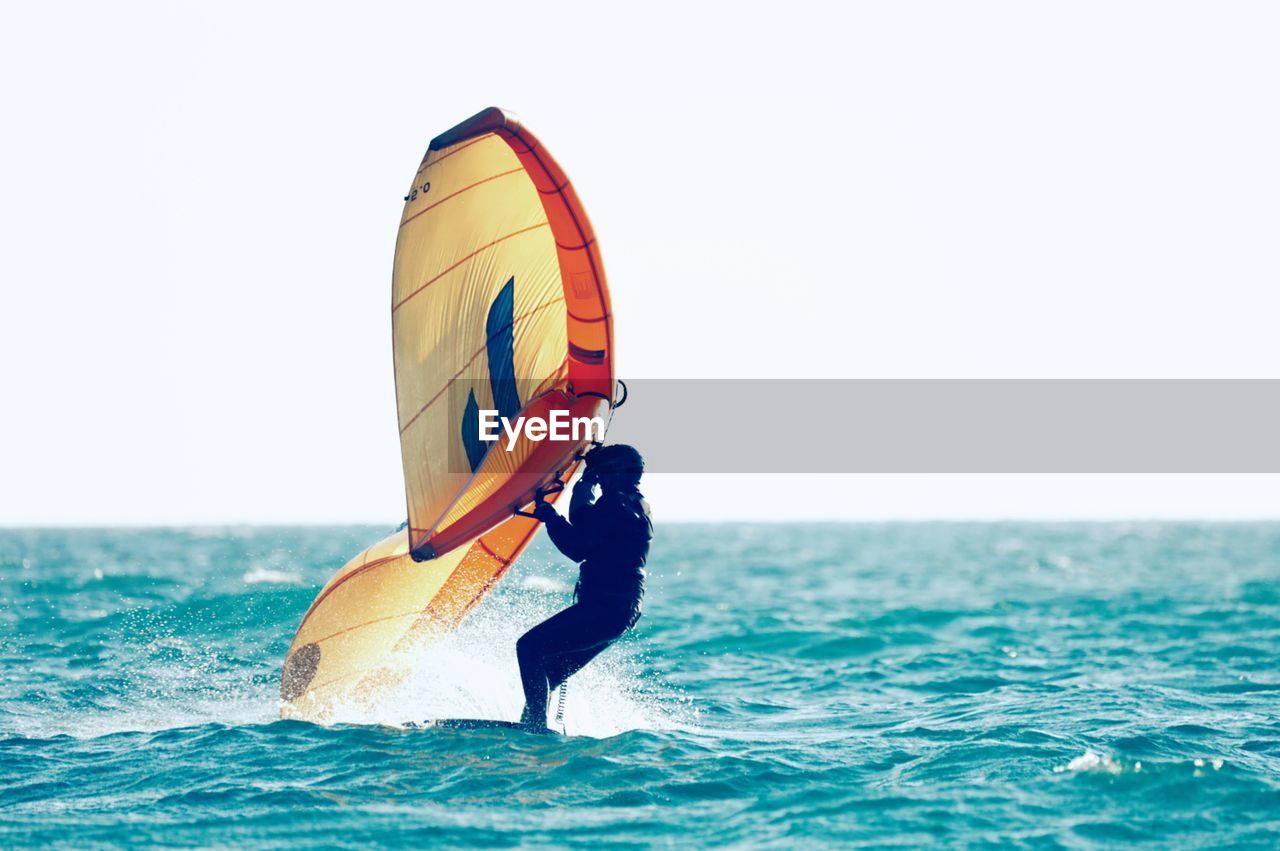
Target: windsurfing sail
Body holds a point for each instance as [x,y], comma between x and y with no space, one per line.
[499,303]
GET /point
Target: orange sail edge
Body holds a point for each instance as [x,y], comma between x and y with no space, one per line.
[355,642]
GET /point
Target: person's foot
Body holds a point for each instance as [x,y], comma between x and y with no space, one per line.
[531,722]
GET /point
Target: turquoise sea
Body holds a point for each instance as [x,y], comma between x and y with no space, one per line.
[970,685]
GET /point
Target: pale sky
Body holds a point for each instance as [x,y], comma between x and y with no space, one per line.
[200,207]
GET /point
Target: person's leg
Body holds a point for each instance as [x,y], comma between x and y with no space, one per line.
[564,666]
[606,625]
[562,633]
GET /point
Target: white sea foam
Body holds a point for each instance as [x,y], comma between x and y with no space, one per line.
[544,584]
[473,673]
[1091,761]
[267,576]
[174,681]
[185,692]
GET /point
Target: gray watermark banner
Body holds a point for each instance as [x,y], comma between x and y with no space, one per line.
[953,426]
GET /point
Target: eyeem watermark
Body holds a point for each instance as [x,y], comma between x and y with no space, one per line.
[894,426]
[559,427]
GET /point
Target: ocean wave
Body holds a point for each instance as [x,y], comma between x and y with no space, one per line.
[881,685]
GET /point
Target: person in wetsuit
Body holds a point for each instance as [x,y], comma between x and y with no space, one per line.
[609,536]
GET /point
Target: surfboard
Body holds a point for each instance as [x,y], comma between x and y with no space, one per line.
[481,724]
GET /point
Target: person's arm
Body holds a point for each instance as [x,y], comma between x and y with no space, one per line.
[572,538]
[568,539]
[584,496]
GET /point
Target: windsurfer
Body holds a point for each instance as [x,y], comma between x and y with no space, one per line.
[609,536]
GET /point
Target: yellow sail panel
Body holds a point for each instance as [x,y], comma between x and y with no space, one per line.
[382,603]
[498,304]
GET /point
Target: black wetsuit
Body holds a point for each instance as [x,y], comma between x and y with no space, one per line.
[610,538]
